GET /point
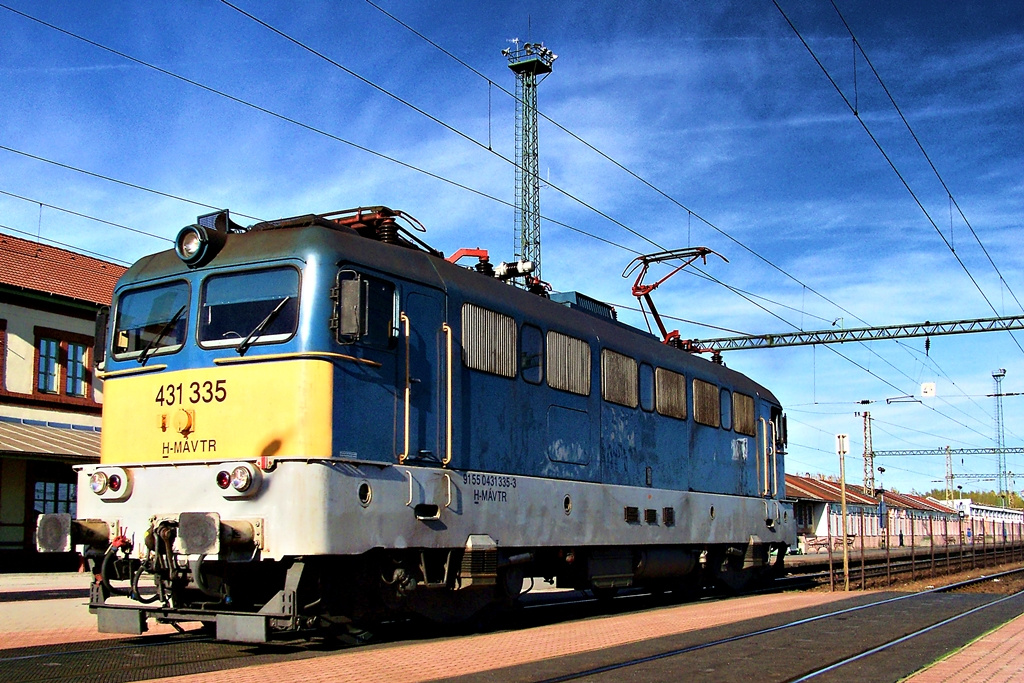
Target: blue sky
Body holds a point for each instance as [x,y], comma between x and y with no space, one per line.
[718,105]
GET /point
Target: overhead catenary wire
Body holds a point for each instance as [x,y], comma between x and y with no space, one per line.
[83,215]
[106,257]
[924,153]
[665,195]
[867,129]
[690,212]
[293,121]
[569,226]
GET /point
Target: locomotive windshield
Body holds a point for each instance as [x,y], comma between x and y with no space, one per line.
[256,306]
[152,320]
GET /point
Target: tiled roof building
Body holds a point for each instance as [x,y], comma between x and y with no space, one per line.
[50,398]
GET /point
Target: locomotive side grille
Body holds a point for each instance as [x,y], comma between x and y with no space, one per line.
[618,378]
[488,341]
[568,363]
[651,516]
[743,414]
[632,514]
[705,403]
[668,516]
[671,393]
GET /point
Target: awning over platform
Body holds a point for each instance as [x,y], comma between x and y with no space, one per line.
[49,440]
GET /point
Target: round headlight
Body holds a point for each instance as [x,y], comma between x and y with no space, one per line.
[190,244]
[98,482]
[223,479]
[197,244]
[241,478]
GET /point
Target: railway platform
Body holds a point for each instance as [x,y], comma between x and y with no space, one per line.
[997,657]
[42,610]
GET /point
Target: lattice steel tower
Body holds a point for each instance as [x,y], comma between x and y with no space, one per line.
[528,62]
[869,456]
[998,376]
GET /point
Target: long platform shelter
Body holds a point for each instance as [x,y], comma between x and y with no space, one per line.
[881,518]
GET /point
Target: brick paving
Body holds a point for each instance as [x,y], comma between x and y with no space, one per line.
[427,661]
[32,622]
[997,657]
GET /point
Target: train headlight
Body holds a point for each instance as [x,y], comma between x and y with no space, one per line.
[197,244]
[239,480]
[189,243]
[98,483]
[111,483]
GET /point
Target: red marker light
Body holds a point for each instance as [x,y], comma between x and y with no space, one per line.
[223,479]
[114,482]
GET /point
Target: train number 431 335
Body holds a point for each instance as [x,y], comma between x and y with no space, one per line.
[194,392]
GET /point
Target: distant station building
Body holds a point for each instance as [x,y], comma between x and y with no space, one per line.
[971,510]
[50,397]
[908,519]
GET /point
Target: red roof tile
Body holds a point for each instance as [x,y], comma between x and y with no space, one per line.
[51,270]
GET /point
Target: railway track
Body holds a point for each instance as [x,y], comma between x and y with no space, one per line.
[886,639]
[877,572]
[804,645]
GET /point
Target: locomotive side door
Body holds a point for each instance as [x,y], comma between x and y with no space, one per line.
[419,430]
[768,473]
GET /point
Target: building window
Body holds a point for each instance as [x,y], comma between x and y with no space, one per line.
[488,341]
[47,374]
[568,364]
[743,413]
[62,366]
[55,496]
[706,404]
[618,379]
[75,370]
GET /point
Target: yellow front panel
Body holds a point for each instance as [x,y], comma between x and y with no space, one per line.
[236,412]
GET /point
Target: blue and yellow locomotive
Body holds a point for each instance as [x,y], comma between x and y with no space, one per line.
[319,419]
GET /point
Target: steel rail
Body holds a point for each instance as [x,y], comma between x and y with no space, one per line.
[903,639]
[775,629]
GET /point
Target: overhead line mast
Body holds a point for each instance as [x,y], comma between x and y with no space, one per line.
[528,62]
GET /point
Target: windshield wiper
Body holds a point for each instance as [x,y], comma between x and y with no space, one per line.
[151,346]
[247,342]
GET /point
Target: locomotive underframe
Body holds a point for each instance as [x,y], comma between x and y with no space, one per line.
[324,542]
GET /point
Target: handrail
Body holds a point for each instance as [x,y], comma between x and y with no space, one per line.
[448,488]
[764,442]
[315,355]
[757,457]
[448,419]
[775,460]
[408,388]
